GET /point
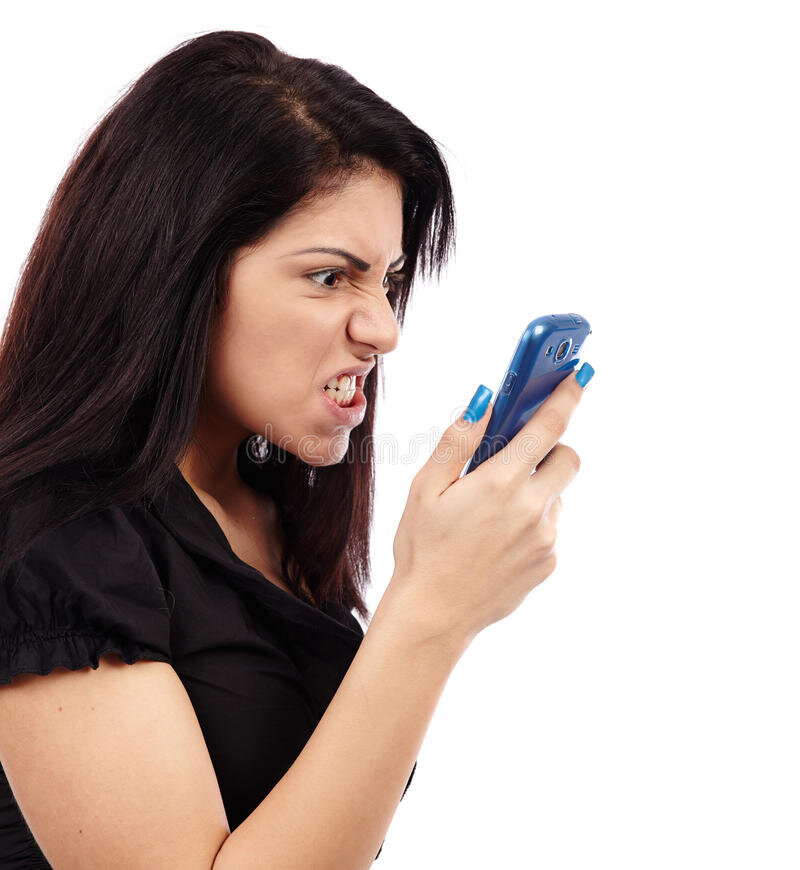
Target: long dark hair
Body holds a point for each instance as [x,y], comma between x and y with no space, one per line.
[104,350]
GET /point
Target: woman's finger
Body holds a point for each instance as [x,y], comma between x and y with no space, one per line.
[555,472]
[538,436]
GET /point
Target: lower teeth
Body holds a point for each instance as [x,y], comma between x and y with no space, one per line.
[333,394]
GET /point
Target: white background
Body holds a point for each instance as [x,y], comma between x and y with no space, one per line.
[636,163]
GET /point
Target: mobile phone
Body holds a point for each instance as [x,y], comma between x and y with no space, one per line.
[546,353]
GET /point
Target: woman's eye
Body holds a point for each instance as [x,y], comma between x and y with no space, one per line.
[325,272]
[394,278]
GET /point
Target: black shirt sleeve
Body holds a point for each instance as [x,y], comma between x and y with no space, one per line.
[82,589]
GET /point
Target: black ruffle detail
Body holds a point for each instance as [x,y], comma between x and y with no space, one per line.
[41,652]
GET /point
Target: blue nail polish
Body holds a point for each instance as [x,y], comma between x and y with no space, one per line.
[477,406]
[584,375]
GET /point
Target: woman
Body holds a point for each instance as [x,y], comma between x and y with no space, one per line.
[186,481]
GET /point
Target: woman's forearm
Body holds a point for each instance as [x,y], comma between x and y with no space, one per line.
[333,806]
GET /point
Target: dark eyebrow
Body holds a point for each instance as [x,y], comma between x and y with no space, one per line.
[360,264]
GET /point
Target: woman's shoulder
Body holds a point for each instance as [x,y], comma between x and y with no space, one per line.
[82,587]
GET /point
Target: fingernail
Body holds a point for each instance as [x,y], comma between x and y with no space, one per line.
[584,375]
[477,406]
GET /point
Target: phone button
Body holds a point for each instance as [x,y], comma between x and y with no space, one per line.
[508,383]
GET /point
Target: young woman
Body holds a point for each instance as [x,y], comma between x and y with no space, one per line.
[187,395]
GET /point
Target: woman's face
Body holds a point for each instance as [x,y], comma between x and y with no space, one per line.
[291,324]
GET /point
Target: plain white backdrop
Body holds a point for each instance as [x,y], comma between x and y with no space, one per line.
[636,163]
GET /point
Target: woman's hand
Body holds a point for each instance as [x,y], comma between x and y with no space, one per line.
[468,550]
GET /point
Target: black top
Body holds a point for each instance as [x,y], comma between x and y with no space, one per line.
[160,581]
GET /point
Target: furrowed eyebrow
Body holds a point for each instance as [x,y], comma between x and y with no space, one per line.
[360,264]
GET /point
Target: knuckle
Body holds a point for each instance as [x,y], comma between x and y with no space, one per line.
[549,539]
[447,446]
[571,457]
[528,447]
[417,486]
[553,421]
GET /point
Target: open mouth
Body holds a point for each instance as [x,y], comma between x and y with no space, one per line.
[343,390]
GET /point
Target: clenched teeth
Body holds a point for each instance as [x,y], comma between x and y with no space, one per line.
[341,390]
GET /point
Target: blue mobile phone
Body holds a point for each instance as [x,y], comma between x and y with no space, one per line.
[546,353]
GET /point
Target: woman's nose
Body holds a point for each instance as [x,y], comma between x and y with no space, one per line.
[375,324]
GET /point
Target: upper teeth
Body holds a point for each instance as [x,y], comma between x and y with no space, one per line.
[345,382]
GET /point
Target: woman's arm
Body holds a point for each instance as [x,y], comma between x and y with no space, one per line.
[333,806]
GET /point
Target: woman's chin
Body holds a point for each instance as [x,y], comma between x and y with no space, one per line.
[320,452]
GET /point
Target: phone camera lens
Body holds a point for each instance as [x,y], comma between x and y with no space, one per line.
[562,349]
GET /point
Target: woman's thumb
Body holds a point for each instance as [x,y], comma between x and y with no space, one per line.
[458,442]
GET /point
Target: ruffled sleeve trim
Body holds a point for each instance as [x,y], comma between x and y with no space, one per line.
[41,651]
